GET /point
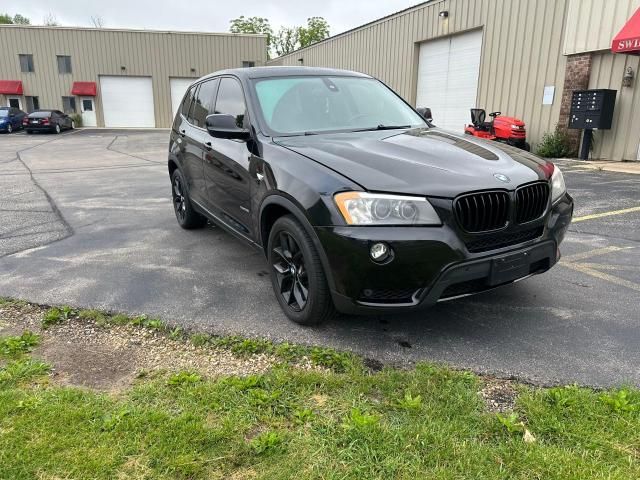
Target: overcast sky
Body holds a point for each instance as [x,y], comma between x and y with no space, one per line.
[205,15]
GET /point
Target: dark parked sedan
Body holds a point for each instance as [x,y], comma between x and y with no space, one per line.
[358,203]
[48,121]
[11,119]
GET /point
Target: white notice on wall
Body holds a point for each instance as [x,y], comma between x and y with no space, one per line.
[549,92]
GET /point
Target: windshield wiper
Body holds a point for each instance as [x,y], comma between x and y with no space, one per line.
[382,127]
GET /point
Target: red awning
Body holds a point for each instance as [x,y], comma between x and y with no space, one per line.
[87,89]
[11,87]
[628,40]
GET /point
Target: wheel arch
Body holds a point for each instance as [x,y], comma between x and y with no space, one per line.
[275,206]
[172,165]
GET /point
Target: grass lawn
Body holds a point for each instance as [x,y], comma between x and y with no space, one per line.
[342,422]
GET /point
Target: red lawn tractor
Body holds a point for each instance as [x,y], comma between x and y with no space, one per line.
[508,130]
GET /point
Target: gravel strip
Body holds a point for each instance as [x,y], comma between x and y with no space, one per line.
[110,358]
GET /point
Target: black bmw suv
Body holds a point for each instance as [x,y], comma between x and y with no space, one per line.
[359,204]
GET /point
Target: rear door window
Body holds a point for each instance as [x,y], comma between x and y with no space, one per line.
[186,102]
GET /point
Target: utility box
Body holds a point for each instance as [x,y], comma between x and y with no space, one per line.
[592,109]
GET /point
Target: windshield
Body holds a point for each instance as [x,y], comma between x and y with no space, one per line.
[299,105]
[4,113]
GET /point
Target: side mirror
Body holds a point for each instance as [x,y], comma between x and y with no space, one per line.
[425,113]
[222,125]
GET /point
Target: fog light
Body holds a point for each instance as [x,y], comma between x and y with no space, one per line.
[379,252]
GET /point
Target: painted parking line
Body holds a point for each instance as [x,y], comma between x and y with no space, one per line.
[595,269]
[606,214]
[593,253]
[603,276]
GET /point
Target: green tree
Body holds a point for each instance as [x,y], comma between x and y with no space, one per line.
[21,20]
[6,19]
[317,29]
[290,39]
[286,41]
[253,25]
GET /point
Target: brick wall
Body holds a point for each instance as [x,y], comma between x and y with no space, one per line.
[576,78]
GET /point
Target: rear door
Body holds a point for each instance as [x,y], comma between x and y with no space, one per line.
[63,119]
[226,163]
[190,124]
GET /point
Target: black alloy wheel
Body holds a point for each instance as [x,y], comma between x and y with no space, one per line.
[178,199]
[187,217]
[297,274]
[291,271]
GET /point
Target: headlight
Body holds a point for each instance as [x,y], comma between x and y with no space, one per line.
[360,208]
[558,188]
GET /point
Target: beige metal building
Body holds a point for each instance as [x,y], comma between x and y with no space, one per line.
[114,78]
[523,58]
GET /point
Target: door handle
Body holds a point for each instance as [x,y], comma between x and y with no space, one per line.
[183,133]
[259,176]
[208,145]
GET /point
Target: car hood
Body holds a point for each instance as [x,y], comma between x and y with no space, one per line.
[423,161]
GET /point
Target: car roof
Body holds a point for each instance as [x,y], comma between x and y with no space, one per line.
[266,72]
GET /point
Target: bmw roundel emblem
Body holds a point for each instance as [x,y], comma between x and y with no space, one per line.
[501,177]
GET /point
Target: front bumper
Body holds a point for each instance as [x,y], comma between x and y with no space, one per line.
[431,264]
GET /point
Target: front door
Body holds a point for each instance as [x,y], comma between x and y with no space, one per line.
[88,112]
[14,102]
[226,164]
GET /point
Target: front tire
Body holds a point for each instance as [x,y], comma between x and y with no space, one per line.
[73,125]
[297,275]
[9,128]
[187,217]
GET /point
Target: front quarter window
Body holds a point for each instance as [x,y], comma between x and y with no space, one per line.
[316,104]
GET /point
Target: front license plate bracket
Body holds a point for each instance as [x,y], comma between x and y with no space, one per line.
[509,268]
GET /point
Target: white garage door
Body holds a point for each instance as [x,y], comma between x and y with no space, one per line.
[448,72]
[178,88]
[127,101]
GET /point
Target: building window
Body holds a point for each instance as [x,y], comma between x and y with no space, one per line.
[26,62]
[69,104]
[64,64]
[14,103]
[32,104]
[248,64]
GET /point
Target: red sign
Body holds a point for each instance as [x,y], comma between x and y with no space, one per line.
[11,87]
[87,89]
[628,40]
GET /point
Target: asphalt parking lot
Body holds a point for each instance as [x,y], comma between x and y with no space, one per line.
[86,219]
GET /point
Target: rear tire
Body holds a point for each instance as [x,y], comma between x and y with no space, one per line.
[187,217]
[57,129]
[297,276]
[9,128]
[527,147]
